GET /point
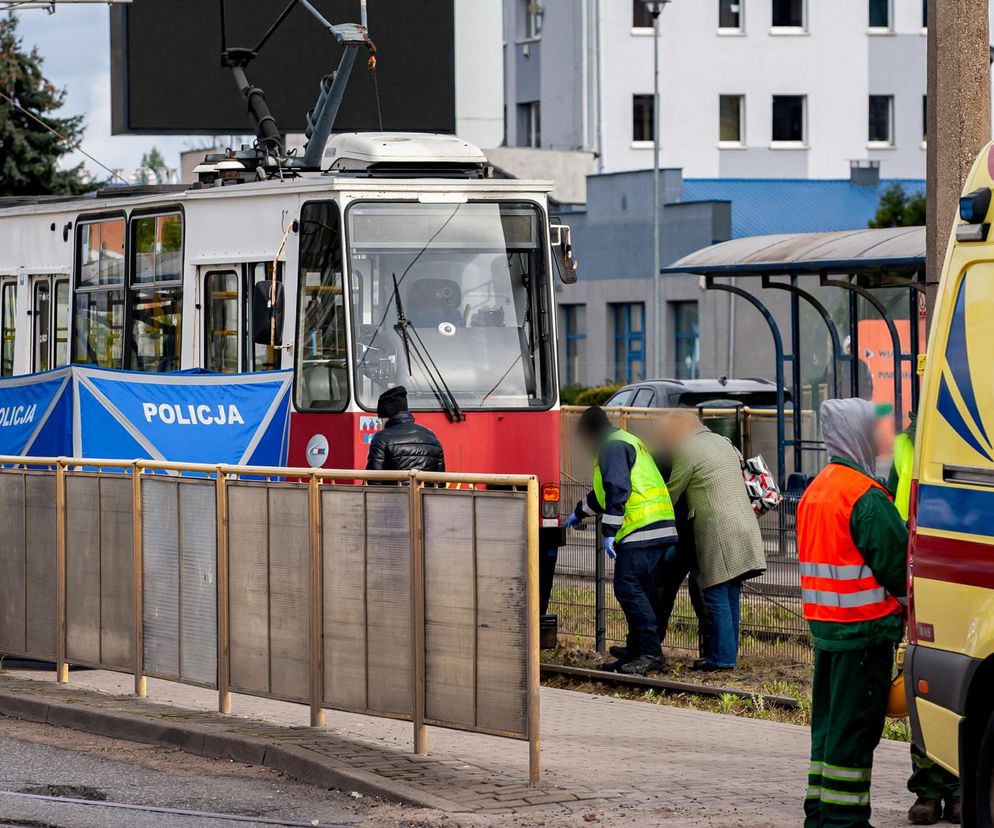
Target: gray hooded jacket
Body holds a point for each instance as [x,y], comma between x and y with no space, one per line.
[847,426]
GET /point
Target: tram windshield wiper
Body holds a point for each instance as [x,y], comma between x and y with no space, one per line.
[413,344]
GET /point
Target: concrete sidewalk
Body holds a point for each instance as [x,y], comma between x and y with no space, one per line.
[619,762]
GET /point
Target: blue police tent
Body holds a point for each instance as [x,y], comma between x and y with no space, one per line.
[36,414]
[187,417]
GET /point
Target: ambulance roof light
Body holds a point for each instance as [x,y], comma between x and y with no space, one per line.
[974,206]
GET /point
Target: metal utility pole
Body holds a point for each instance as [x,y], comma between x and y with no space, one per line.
[655,8]
[958,119]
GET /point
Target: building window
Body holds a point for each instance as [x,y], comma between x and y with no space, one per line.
[629,341]
[924,14]
[8,327]
[156,308]
[730,15]
[881,119]
[575,340]
[530,124]
[643,118]
[686,340]
[532,12]
[641,16]
[789,118]
[788,14]
[98,316]
[731,108]
[880,14]
[924,118]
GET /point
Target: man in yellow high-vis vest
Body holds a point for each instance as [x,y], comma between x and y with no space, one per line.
[936,789]
[638,525]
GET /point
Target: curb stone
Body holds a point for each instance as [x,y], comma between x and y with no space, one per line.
[253,742]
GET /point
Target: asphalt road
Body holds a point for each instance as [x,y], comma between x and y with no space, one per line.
[43,766]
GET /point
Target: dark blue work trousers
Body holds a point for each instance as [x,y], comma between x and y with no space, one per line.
[634,575]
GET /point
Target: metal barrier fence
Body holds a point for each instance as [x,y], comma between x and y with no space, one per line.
[386,594]
[772,628]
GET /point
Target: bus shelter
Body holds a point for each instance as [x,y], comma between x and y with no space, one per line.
[846,313]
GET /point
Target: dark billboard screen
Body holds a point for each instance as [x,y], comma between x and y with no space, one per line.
[167,77]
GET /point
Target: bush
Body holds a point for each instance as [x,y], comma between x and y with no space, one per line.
[569,393]
[597,395]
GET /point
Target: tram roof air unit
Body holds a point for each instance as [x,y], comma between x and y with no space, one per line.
[404,153]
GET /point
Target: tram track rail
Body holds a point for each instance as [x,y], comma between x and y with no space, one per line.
[215,817]
[666,685]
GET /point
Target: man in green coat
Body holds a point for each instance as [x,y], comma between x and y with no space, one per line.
[707,471]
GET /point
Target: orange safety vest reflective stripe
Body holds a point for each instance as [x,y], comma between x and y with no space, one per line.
[836,583]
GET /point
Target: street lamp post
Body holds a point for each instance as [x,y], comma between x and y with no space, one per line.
[655,8]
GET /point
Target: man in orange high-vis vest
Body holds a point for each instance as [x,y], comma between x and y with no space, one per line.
[851,544]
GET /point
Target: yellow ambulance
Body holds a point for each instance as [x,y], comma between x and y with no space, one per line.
[949,669]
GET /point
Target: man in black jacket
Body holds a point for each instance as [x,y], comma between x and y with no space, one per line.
[402,445]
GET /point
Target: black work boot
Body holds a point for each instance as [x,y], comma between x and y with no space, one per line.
[642,665]
[618,651]
[952,811]
[925,811]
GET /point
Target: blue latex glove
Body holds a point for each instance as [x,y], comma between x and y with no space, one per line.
[609,548]
[669,554]
[572,522]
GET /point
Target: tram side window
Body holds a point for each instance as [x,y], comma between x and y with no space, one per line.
[155,312]
[8,315]
[322,369]
[98,332]
[221,321]
[259,357]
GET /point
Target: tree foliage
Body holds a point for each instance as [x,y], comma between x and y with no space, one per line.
[898,208]
[30,153]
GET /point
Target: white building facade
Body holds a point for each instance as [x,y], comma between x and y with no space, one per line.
[748,88]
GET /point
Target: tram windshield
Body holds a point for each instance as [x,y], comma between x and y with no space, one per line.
[451,301]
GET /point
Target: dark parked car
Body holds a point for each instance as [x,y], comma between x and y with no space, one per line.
[673,393]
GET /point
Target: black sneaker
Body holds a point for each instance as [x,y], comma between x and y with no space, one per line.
[618,651]
[641,665]
[925,811]
[702,665]
[615,665]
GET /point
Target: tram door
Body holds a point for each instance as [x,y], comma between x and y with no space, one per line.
[49,322]
[224,313]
